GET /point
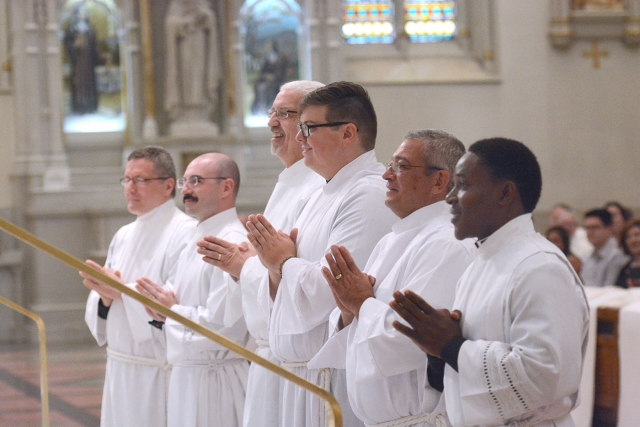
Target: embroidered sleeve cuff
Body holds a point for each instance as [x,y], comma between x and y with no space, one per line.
[103,310]
[451,350]
[435,372]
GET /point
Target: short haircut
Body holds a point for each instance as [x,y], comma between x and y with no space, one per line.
[346,102]
[564,236]
[623,237]
[228,168]
[510,160]
[602,214]
[162,162]
[302,87]
[441,149]
[626,213]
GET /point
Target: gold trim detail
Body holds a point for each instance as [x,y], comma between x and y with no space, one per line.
[335,414]
[595,54]
[488,55]
[147,60]
[42,337]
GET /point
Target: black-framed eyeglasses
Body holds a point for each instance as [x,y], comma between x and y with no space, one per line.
[139,181]
[306,129]
[397,168]
[194,180]
[281,113]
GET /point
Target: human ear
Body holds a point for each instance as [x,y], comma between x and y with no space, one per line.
[443,178]
[508,193]
[349,134]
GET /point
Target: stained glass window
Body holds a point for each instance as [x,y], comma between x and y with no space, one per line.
[430,21]
[367,22]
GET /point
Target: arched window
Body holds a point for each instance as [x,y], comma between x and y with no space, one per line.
[92,77]
[270,34]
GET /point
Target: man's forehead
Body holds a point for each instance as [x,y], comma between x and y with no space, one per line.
[287,99]
[314,113]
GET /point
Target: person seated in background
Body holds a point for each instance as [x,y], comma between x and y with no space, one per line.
[629,276]
[601,267]
[559,237]
[578,241]
[556,213]
[619,217]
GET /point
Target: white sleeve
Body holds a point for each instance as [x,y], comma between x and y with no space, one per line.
[547,322]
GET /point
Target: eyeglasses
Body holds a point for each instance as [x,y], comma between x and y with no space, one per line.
[306,129]
[138,181]
[195,180]
[281,113]
[397,168]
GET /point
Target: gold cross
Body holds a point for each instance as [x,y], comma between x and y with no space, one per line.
[595,54]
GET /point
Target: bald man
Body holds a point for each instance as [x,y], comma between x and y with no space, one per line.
[208,383]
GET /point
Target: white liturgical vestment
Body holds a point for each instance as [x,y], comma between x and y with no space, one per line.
[386,371]
[208,383]
[349,211]
[294,187]
[135,384]
[525,318]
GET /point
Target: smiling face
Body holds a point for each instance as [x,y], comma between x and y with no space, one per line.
[632,241]
[322,148]
[475,199]
[284,130]
[144,197]
[410,189]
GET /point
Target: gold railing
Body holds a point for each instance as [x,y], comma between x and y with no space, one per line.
[42,336]
[334,412]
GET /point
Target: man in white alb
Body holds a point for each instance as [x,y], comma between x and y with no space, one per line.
[293,189]
[137,371]
[511,352]
[208,382]
[386,372]
[337,132]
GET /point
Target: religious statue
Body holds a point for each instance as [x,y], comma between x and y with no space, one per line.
[193,70]
[274,71]
[82,49]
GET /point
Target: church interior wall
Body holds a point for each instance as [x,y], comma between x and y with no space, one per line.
[7,144]
[582,123]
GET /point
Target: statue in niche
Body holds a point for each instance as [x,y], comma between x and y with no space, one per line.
[193,70]
[82,49]
[274,71]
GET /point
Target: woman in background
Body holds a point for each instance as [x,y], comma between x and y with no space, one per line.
[559,237]
[629,276]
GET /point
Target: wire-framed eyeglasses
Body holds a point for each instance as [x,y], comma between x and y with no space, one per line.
[195,180]
[281,113]
[397,168]
[139,181]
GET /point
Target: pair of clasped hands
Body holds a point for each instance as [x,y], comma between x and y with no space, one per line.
[429,328]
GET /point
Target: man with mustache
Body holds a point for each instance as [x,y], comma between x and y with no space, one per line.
[295,185]
[136,376]
[386,376]
[511,352]
[208,383]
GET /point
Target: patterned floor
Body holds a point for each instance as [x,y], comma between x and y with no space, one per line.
[76,377]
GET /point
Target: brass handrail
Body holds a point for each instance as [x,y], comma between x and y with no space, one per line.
[42,335]
[335,414]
